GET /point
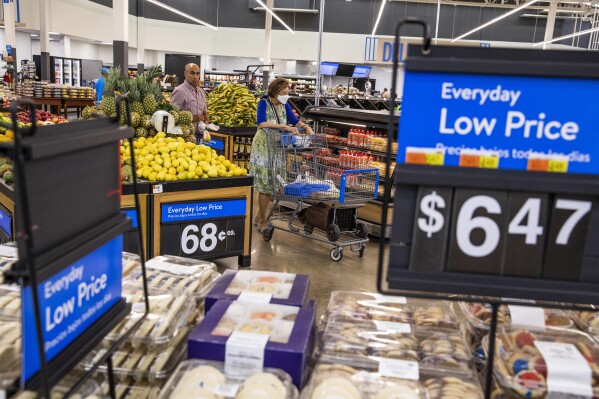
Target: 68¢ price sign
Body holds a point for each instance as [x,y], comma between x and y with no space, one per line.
[499,232]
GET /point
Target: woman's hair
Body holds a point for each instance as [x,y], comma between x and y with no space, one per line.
[276,86]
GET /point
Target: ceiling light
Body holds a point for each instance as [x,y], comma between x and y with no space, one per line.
[54,33]
[107,43]
[275,15]
[507,14]
[174,10]
[378,18]
[34,35]
[557,39]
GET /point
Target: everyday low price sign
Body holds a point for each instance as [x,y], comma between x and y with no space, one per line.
[518,118]
[70,302]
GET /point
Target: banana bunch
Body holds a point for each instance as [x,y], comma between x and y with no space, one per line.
[232,105]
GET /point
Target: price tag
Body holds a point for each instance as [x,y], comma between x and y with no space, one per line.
[172,268]
[425,156]
[560,166]
[396,368]
[568,371]
[391,326]
[540,162]
[479,159]
[157,188]
[244,353]
[529,316]
[489,161]
[226,390]
[259,297]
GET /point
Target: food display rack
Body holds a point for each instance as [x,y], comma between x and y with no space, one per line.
[344,118]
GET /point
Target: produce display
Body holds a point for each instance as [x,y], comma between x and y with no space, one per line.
[145,98]
[232,105]
[42,118]
[162,158]
[6,166]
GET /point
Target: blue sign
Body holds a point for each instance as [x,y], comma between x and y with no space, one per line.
[6,222]
[202,210]
[215,144]
[513,116]
[131,214]
[70,302]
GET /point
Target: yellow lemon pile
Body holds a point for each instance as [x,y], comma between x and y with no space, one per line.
[162,158]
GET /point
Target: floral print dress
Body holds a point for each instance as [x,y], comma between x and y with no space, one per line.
[259,166]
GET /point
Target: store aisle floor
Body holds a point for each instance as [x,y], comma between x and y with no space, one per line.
[290,253]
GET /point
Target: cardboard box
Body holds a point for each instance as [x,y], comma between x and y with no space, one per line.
[288,348]
[286,289]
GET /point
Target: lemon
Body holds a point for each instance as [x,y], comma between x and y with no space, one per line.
[168,177]
[152,176]
[160,176]
[206,168]
[176,162]
[181,140]
[150,157]
[137,151]
[212,173]
[167,163]
[154,150]
[226,163]
[184,163]
[202,157]
[164,149]
[144,162]
[172,171]
[196,157]
[236,172]
[139,173]
[244,172]
[221,158]
[222,173]
[182,176]
[180,168]
[156,168]
[195,151]
[146,173]
[229,174]
[204,176]
[191,175]
[144,152]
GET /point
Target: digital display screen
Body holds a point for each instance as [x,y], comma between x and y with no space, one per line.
[361,71]
[346,70]
[328,68]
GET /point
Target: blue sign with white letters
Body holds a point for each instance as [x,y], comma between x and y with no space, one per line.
[6,222]
[513,116]
[202,210]
[214,144]
[70,302]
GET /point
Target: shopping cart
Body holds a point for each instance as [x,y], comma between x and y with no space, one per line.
[317,194]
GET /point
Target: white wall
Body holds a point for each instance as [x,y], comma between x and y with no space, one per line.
[84,50]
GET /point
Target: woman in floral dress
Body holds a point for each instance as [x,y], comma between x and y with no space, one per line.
[273,113]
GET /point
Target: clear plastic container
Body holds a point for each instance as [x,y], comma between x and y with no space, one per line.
[10,351]
[141,364]
[331,381]
[89,390]
[130,263]
[520,369]
[587,321]
[368,306]
[365,344]
[277,284]
[479,317]
[129,389]
[207,379]
[175,273]
[277,321]
[169,312]
[450,386]
[10,302]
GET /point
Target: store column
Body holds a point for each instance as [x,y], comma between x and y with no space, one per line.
[120,27]
[267,45]
[10,32]
[141,36]
[45,40]
[550,23]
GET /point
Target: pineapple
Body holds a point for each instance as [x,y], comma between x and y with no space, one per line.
[87,113]
[108,105]
[146,121]
[135,97]
[185,130]
[141,132]
[175,115]
[112,82]
[150,104]
[185,118]
[135,119]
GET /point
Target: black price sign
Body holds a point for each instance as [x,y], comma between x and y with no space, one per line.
[194,229]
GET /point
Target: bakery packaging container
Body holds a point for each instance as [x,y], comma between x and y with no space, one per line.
[290,330]
[587,320]
[523,371]
[285,288]
[208,379]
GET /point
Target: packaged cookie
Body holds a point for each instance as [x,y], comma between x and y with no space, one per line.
[276,321]
[587,320]
[271,287]
[10,302]
[130,263]
[438,314]
[523,369]
[130,389]
[368,306]
[479,316]
[10,351]
[445,387]
[142,364]
[330,381]
[207,379]
[169,312]
[89,390]
[173,273]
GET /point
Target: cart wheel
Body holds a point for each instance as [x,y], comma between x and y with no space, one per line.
[267,233]
[336,254]
[333,232]
[308,229]
[362,249]
[362,230]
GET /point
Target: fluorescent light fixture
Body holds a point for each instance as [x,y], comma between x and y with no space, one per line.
[378,18]
[34,35]
[107,43]
[271,12]
[181,13]
[294,10]
[499,18]
[557,39]
[54,33]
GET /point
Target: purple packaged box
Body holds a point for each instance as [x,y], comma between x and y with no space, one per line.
[286,289]
[286,350]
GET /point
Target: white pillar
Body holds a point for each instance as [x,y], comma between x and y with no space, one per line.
[120,29]
[9,23]
[550,23]
[67,46]
[267,43]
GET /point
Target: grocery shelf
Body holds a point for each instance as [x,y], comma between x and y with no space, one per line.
[205,184]
[375,119]
[238,131]
[361,149]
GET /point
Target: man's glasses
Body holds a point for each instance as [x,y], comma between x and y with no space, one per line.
[194,73]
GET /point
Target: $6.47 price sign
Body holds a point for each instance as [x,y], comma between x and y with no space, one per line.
[498,232]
